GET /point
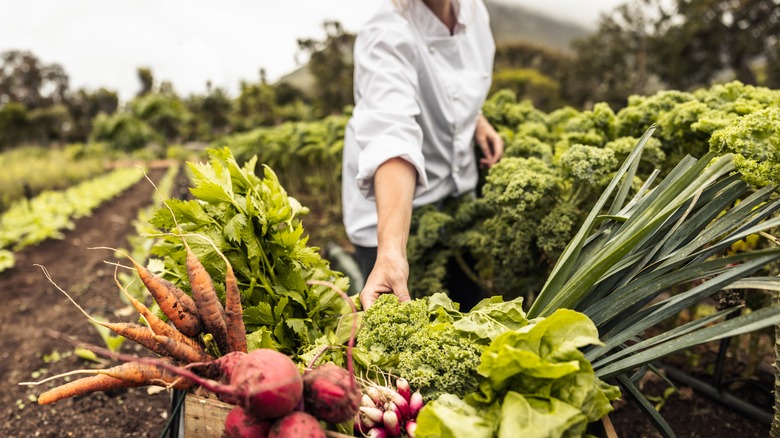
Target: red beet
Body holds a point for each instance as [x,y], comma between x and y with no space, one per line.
[267,384]
[331,394]
[239,425]
[297,425]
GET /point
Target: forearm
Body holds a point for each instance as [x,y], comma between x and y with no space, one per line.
[394,184]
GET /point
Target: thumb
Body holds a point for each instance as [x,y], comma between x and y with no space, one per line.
[402,293]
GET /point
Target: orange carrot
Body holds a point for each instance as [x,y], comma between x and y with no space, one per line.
[182,351]
[174,303]
[157,325]
[83,386]
[134,332]
[234,314]
[211,312]
[133,372]
[147,374]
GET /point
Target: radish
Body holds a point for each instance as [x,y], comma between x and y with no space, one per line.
[411,428]
[415,404]
[331,394]
[392,423]
[239,425]
[403,388]
[297,425]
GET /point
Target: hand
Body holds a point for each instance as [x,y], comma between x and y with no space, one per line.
[390,275]
[491,144]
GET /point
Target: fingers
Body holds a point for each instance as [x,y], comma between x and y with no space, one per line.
[490,143]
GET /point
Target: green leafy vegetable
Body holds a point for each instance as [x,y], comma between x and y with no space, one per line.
[253,221]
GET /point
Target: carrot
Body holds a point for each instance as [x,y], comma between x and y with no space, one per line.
[83,386]
[159,327]
[174,303]
[133,372]
[211,312]
[234,314]
[134,332]
[183,351]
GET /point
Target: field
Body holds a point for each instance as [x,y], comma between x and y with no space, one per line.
[32,306]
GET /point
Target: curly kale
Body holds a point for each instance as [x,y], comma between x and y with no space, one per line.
[519,184]
[388,324]
[755,142]
[652,153]
[438,360]
[588,164]
[433,356]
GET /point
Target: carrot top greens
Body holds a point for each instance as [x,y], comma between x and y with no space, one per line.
[258,227]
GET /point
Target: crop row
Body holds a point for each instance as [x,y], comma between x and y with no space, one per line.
[28,222]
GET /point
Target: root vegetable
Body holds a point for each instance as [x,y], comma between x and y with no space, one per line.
[392,423]
[411,428]
[377,432]
[211,312]
[83,386]
[415,404]
[374,414]
[403,388]
[174,303]
[330,393]
[135,332]
[297,425]
[240,425]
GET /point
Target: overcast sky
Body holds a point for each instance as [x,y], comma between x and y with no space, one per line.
[100,43]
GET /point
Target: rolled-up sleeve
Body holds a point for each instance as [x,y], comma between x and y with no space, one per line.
[383,121]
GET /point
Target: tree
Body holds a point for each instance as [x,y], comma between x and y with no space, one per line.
[26,80]
[701,38]
[164,113]
[613,63]
[13,124]
[84,106]
[255,105]
[146,78]
[211,112]
[331,63]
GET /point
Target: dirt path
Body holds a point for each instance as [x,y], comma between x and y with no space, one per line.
[30,306]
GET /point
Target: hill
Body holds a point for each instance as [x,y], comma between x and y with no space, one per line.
[511,23]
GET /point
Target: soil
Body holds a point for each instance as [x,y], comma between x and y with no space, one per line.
[32,306]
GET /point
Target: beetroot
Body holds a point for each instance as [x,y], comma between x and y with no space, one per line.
[297,425]
[267,384]
[239,425]
[331,394]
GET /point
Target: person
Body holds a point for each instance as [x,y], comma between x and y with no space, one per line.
[423,70]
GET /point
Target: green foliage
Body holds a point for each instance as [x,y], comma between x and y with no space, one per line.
[165,114]
[530,84]
[556,164]
[755,141]
[122,131]
[306,155]
[257,226]
[533,379]
[30,170]
[48,214]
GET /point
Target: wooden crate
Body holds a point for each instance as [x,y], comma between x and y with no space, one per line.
[204,417]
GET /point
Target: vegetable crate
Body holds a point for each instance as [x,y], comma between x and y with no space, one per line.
[204,417]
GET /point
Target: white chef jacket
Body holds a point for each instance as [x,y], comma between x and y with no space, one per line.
[418,92]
